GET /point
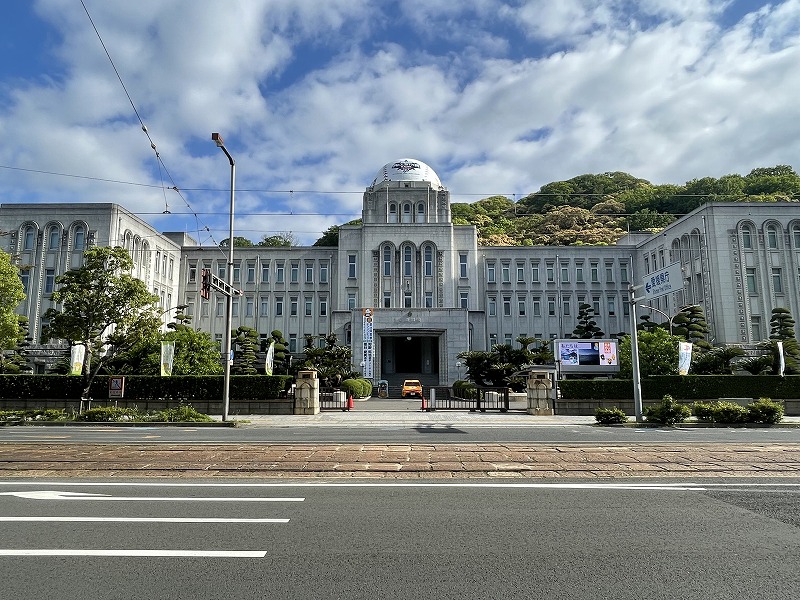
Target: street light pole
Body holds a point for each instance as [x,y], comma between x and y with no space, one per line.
[226,385]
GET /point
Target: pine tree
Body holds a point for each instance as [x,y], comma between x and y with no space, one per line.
[690,324]
[782,329]
[587,326]
[245,344]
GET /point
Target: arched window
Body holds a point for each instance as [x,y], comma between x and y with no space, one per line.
[387,261]
[393,213]
[428,261]
[407,261]
[772,237]
[675,251]
[421,212]
[79,238]
[53,238]
[28,238]
[796,236]
[406,213]
[747,238]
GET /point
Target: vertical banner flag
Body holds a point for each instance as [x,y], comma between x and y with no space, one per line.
[270,358]
[684,357]
[167,354]
[76,355]
[368,350]
[780,358]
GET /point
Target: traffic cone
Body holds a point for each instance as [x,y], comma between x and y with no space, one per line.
[350,404]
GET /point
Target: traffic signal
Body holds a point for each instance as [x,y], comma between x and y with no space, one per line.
[205,286]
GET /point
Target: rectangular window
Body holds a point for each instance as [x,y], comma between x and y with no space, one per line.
[507,339]
[220,308]
[193,273]
[564,275]
[537,307]
[661,259]
[237,273]
[279,306]
[323,272]
[535,274]
[755,328]
[164,264]
[551,275]
[646,265]
[293,306]
[551,306]
[506,306]
[279,271]
[428,299]
[309,306]
[595,273]
[171,268]
[351,265]
[626,305]
[463,298]
[323,307]
[490,275]
[462,265]
[387,299]
[520,273]
[429,261]
[294,273]
[612,306]
[506,273]
[249,307]
[387,261]
[747,241]
[623,273]
[521,306]
[251,272]
[492,307]
[158,261]
[579,274]
[777,281]
[265,273]
[492,340]
[609,273]
[565,307]
[351,301]
[292,342]
[596,304]
[407,261]
[55,239]
[751,280]
[264,306]
[49,280]
[772,238]
[309,272]
[235,308]
[407,300]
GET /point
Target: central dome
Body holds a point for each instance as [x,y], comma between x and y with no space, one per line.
[407,169]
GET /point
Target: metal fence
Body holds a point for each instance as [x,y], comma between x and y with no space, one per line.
[482,399]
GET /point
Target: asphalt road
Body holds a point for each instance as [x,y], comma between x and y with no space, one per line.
[721,539]
[404,433]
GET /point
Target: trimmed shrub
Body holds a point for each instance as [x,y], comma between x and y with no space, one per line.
[728,412]
[359,388]
[668,412]
[109,414]
[465,389]
[765,410]
[183,413]
[704,411]
[610,416]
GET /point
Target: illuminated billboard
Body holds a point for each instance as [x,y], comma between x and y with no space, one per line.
[587,356]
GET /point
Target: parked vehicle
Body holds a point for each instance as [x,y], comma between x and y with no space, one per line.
[411,388]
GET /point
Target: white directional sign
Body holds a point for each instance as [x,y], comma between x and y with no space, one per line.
[663,282]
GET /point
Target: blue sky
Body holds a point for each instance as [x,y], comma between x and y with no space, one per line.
[313,97]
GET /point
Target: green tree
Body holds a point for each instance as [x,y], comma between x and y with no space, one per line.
[245,344]
[280,360]
[587,325]
[781,325]
[15,361]
[333,363]
[690,324]
[497,366]
[103,308]
[11,294]
[285,239]
[238,242]
[658,354]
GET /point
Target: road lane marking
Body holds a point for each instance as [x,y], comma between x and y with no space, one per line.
[135,520]
[61,495]
[129,553]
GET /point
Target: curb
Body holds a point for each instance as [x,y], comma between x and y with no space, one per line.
[120,423]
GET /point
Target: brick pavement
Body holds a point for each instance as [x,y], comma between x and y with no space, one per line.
[446,460]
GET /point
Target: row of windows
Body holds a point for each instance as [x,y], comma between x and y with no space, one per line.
[54,238]
[279,304]
[537,305]
[251,270]
[408,212]
[776,277]
[773,236]
[408,261]
[565,273]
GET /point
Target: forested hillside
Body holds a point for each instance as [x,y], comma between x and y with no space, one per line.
[599,209]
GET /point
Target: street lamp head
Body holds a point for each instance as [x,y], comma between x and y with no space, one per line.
[217,139]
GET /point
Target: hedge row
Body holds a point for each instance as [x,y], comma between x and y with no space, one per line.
[144,387]
[686,387]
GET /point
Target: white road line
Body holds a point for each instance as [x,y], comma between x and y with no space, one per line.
[145,553]
[135,520]
[61,495]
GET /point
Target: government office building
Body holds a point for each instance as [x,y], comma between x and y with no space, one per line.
[408,290]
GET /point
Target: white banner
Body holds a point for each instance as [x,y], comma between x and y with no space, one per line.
[76,355]
[780,358]
[270,358]
[684,357]
[167,356]
[368,343]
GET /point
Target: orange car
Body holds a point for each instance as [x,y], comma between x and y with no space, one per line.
[411,387]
